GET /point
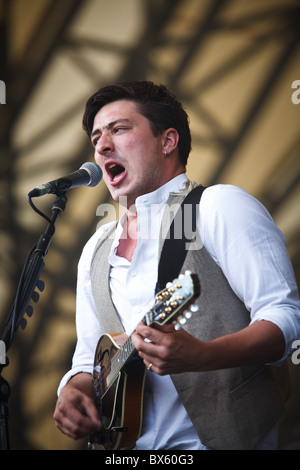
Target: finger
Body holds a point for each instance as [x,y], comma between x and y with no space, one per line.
[76,425]
[67,426]
[143,346]
[155,367]
[77,418]
[150,366]
[149,333]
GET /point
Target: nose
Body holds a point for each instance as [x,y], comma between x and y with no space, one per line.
[104,144]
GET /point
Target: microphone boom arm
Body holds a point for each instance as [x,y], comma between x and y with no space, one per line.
[29,281]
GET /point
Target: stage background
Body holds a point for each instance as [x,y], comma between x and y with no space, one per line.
[233,63]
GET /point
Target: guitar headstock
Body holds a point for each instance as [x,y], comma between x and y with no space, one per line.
[175,302]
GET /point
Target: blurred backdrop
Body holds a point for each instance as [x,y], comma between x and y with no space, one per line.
[233,63]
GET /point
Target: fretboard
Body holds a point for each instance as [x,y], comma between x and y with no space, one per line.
[124,353]
[119,360]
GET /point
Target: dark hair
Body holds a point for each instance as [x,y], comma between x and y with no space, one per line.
[155,102]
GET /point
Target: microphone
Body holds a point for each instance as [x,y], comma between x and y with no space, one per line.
[89,174]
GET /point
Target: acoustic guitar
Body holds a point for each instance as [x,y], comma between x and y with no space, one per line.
[119,373]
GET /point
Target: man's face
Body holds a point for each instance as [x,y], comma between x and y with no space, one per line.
[130,156]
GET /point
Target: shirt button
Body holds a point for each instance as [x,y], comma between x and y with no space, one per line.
[133,273]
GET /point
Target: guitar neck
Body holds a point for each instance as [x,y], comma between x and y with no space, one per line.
[126,350]
[120,359]
[170,305]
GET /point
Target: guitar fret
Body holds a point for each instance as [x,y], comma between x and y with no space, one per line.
[120,358]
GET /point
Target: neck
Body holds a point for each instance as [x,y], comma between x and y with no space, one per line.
[129,237]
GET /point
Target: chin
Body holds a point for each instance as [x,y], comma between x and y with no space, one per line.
[119,196]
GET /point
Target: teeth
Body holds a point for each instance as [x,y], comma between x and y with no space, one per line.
[115,171]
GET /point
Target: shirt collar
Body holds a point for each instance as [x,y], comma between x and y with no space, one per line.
[161,195]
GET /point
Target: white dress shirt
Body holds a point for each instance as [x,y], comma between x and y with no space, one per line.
[239,234]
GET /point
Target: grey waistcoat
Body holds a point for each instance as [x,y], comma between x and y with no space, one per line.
[230,408]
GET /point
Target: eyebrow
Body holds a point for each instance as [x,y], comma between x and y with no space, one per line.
[109,126]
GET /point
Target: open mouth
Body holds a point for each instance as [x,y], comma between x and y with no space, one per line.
[115,171]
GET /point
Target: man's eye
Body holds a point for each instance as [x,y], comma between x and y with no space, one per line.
[118,129]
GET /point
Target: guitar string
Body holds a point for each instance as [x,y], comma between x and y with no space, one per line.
[118,359]
[119,356]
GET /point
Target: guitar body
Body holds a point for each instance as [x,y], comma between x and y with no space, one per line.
[119,397]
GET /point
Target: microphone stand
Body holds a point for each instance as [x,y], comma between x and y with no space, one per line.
[29,281]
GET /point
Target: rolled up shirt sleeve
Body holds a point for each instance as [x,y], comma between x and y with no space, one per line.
[241,236]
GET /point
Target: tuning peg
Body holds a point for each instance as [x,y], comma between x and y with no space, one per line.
[40,285]
[194,308]
[177,326]
[188,273]
[169,284]
[29,310]
[188,314]
[181,320]
[35,297]
[23,323]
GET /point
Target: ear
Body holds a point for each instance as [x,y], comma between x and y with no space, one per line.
[170,141]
